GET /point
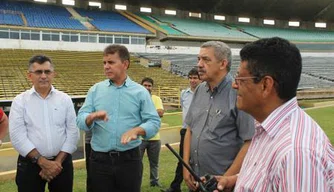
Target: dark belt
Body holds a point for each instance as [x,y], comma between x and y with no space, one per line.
[114,153]
[52,158]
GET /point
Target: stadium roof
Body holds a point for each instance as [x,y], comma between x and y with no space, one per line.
[304,10]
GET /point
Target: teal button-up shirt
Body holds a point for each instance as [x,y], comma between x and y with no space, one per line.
[128,106]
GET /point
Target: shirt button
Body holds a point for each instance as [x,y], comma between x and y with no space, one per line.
[195,151]
[196,165]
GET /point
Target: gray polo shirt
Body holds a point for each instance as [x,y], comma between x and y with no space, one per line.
[218,128]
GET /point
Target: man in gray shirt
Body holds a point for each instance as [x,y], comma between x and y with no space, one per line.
[218,134]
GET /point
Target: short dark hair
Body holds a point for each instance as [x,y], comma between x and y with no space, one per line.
[193,71]
[40,59]
[147,79]
[278,58]
[120,49]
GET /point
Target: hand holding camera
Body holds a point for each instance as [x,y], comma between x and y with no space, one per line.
[206,184]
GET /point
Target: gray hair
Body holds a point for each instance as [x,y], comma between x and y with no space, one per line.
[222,51]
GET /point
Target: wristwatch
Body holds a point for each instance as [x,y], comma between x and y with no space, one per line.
[35,159]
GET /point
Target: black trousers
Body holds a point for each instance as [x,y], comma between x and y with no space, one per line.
[116,171]
[88,150]
[28,179]
[176,183]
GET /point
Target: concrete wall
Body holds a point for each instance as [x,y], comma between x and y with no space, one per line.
[59,45]
[172,47]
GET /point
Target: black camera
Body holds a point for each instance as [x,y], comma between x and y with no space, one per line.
[210,183]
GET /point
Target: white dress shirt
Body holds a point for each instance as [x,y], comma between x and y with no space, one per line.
[47,124]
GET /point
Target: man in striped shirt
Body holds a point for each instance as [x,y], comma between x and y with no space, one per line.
[289,151]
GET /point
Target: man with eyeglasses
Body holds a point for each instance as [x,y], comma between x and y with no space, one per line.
[289,151]
[218,134]
[43,130]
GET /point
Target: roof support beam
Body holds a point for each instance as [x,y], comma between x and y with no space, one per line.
[323,11]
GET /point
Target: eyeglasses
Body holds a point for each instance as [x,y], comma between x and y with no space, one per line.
[239,80]
[40,72]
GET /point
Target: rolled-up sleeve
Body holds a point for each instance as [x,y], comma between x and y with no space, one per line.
[85,110]
[72,132]
[150,118]
[18,129]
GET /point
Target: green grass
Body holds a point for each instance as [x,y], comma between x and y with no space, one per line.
[172,120]
[168,162]
[310,102]
[172,110]
[324,117]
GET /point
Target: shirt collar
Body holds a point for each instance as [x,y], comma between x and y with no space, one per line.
[33,90]
[126,83]
[225,81]
[188,90]
[273,122]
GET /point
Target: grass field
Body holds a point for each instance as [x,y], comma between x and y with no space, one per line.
[324,117]
[168,162]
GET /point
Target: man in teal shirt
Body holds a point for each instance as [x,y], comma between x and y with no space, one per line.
[117,111]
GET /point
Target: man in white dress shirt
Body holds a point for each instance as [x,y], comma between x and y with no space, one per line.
[42,127]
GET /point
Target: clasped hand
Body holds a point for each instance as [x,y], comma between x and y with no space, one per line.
[50,169]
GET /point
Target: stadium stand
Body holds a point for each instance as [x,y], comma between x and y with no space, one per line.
[111,21]
[76,72]
[43,16]
[21,13]
[77,82]
[165,27]
[317,72]
[290,34]
[198,28]
[10,18]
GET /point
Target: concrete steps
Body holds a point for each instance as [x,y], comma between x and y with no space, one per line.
[83,20]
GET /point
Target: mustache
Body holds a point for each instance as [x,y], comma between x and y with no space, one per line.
[201,70]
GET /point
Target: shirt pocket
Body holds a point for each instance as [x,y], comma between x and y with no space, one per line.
[221,123]
[58,115]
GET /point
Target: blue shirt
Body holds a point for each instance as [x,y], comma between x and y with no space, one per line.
[128,106]
[186,97]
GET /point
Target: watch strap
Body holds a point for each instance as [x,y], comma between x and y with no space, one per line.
[35,159]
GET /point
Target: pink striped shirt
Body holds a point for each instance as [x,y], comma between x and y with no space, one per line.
[289,153]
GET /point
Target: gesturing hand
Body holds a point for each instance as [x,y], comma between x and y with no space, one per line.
[128,136]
